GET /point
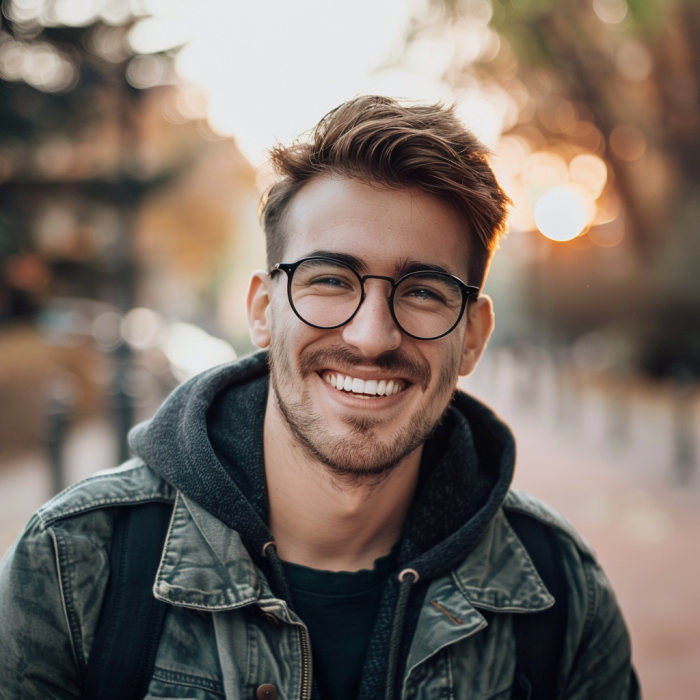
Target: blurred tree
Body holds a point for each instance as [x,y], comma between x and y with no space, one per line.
[71,168]
[92,134]
[618,79]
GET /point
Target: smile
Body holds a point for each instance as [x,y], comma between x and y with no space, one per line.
[365,388]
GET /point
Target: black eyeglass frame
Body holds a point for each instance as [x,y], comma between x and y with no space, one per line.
[290,268]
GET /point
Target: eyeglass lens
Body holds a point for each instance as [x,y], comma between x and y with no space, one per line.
[326,294]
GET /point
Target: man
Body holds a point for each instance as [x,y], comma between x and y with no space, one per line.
[341,520]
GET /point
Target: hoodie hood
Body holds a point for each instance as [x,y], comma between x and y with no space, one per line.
[176,445]
[207,441]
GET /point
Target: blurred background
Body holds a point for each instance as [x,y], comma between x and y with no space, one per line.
[132,159]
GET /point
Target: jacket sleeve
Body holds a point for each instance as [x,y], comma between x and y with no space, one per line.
[37,658]
[599,650]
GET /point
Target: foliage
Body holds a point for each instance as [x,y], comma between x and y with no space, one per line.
[630,69]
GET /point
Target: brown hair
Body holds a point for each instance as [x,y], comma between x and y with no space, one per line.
[378,140]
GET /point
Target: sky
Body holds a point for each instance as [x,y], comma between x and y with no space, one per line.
[272,68]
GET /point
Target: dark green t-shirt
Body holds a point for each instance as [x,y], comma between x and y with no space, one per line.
[339,608]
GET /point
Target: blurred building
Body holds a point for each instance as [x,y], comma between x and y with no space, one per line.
[114,195]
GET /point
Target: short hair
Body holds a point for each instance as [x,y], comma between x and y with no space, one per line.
[378,140]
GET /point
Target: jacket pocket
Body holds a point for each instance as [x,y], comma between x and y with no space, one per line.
[173,685]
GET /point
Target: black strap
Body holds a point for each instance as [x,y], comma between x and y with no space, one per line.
[131,619]
[539,637]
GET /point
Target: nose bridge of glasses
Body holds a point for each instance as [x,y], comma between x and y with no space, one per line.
[390,280]
[389,291]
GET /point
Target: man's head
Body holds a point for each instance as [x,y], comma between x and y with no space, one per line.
[388,191]
[377,140]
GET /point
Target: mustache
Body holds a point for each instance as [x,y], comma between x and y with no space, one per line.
[393,361]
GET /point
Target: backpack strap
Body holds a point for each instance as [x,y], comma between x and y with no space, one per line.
[539,637]
[131,619]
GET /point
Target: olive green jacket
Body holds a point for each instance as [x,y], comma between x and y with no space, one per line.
[226,634]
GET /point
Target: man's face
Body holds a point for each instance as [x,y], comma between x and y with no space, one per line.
[388,232]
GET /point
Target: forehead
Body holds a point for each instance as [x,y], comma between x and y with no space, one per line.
[384,228]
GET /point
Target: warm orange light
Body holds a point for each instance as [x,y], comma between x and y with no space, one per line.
[544,170]
[564,212]
[590,172]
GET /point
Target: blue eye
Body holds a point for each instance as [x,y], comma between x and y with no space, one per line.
[423,294]
[329,281]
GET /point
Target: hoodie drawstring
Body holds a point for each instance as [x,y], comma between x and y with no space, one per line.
[279,584]
[407,578]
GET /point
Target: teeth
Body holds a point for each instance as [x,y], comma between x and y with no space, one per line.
[371,387]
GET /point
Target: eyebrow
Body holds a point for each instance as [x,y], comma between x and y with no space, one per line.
[402,268]
[350,260]
[405,267]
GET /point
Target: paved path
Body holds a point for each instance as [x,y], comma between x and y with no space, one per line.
[644,530]
[25,481]
[647,537]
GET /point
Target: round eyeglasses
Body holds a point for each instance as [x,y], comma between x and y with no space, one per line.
[325,293]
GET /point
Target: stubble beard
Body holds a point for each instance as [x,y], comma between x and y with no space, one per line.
[359,454]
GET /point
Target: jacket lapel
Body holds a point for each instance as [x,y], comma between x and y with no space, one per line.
[204,563]
[497,576]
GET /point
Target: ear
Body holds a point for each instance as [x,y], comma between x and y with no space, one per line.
[480,324]
[258,304]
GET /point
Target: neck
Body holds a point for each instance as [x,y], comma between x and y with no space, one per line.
[323,521]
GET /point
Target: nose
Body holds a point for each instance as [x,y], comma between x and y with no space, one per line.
[373,330]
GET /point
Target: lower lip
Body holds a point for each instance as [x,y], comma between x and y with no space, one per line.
[356,400]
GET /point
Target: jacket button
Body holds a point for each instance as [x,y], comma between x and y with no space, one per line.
[272,620]
[267,691]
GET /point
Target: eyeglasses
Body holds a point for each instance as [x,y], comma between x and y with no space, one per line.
[325,293]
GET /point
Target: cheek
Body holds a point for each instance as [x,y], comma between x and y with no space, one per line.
[289,336]
[449,366]
[281,319]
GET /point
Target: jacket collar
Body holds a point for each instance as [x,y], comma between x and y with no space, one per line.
[205,565]
[498,576]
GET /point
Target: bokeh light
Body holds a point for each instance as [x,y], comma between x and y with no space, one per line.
[543,170]
[190,350]
[590,172]
[610,11]
[564,212]
[142,328]
[634,61]
[627,143]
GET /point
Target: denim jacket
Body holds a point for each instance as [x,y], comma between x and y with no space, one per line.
[226,634]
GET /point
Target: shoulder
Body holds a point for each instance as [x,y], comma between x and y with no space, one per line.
[522,502]
[596,631]
[129,484]
[54,576]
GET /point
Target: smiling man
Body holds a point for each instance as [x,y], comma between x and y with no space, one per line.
[328,518]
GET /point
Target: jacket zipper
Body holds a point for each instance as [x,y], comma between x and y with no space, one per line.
[305,693]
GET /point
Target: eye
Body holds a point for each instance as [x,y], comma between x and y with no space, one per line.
[419,293]
[332,281]
[424,294]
